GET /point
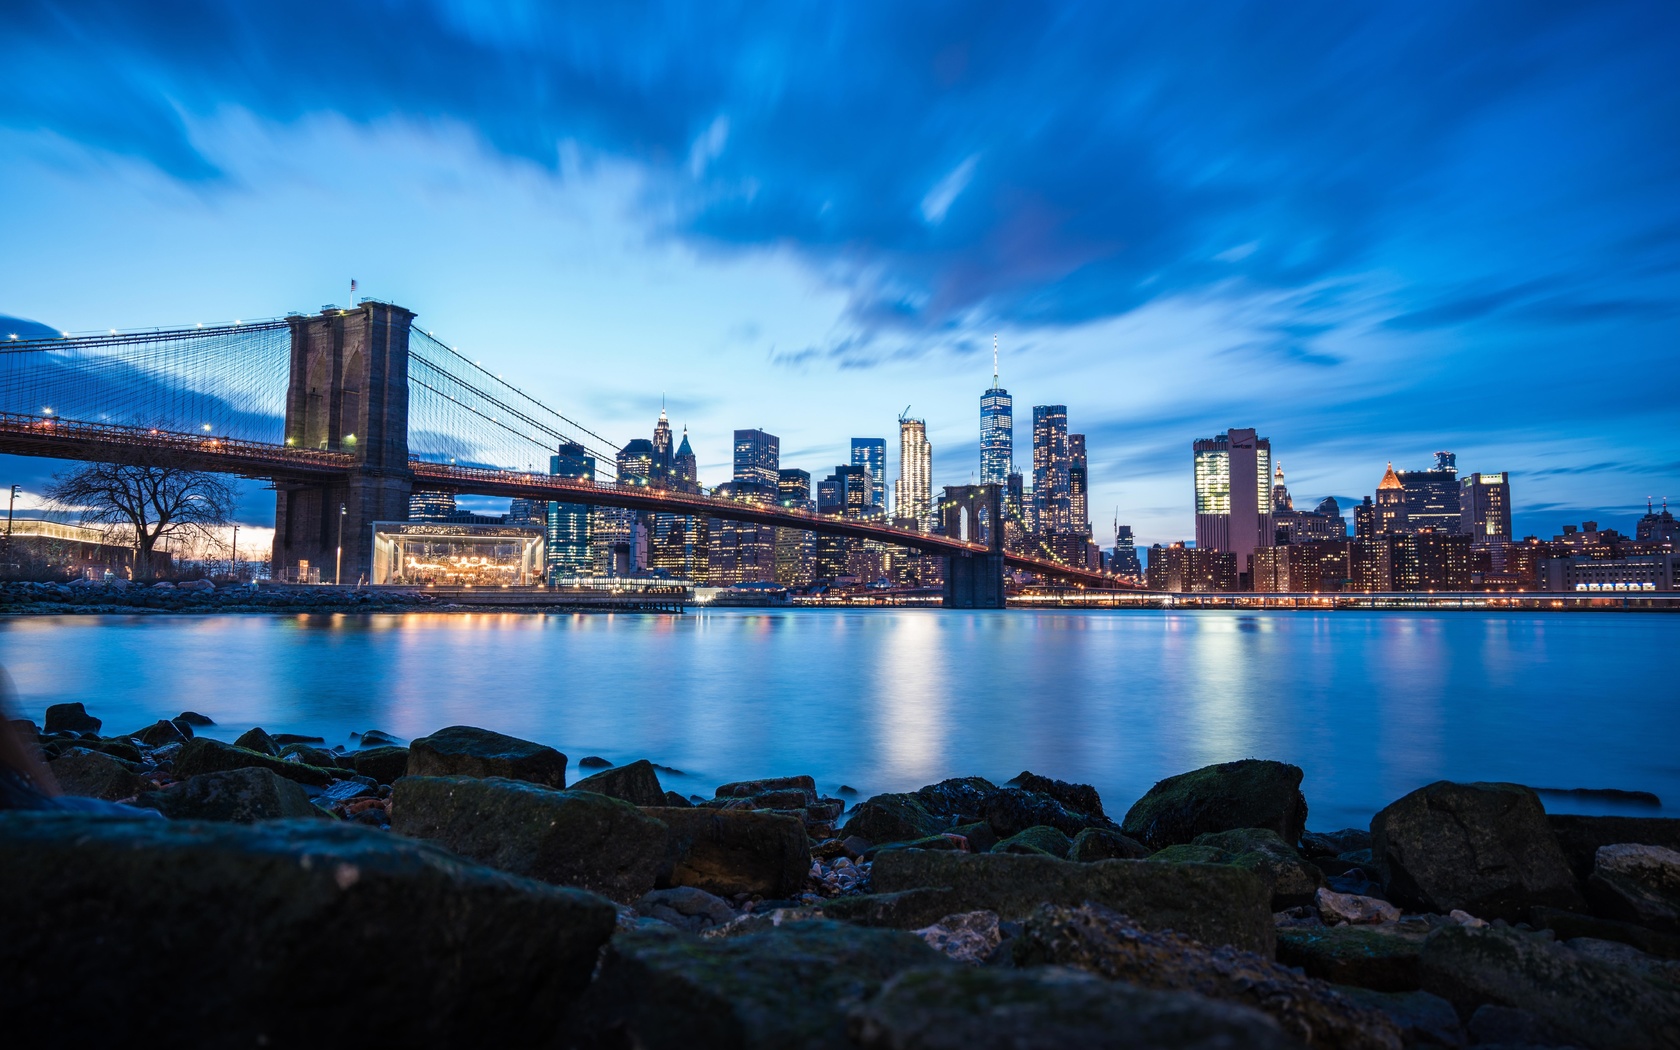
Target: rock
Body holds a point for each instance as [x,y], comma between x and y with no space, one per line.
[1102,844]
[893,817]
[72,718]
[686,908]
[942,842]
[204,755]
[979,836]
[959,800]
[243,909]
[1049,1008]
[968,937]
[901,910]
[1102,941]
[1334,843]
[1507,1026]
[1292,880]
[1384,959]
[160,733]
[92,774]
[1424,1020]
[1594,1003]
[1193,854]
[635,783]
[1251,793]
[1212,903]
[1014,810]
[1080,797]
[296,738]
[1485,848]
[1628,957]
[1639,884]
[309,755]
[1568,925]
[593,762]
[256,739]
[676,801]
[568,838]
[734,851]
[196,586]
[788,986]
[1581,837]
[384,764]
[1045,840]
[194,719]
[121,747]
[346,791]
[466,751]
[805,786]
[1619,796]
[1354,910]
[376,738]
[241,796]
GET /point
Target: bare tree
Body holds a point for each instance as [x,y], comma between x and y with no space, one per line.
[155,500]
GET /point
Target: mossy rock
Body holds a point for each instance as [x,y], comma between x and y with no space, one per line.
[467,751]
[1189,854]
[212,756]
[1293,880]
[1044,840]
[1251,793]
[1095,844]
[893,817]
[1358,955]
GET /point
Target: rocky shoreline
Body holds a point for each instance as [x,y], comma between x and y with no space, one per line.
[464,889]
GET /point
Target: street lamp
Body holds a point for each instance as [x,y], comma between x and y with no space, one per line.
[338,566]
[233,556]
[10,505]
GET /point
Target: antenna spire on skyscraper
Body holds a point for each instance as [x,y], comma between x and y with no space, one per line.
[994,361]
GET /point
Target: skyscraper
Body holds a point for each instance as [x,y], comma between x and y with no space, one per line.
[1484,508]
[685,471]
[424,505]
[1234,494]
[568,541]
[1391,504]
[1123,562]
[757,459]
[997,430]
[1079,509]
[1052,496]
[914,495]
[871,455]
[1432,496]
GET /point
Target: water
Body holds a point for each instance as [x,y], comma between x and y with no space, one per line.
[1370,705]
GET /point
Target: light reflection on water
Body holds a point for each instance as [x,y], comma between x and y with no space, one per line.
[1370,705]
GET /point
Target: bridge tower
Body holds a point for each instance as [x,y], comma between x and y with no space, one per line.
[348,393]
[975,513]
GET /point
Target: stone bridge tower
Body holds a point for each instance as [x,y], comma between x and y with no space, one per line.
[974,513]
[348,392]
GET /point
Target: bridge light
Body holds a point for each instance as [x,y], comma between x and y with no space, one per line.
[207,426]
[350,439]
[46,411]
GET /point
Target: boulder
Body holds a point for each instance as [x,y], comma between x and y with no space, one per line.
[1014,810]
[160,733]
[894,817]
[1581,837]
[734,851]
[593,762]
[71,718]
[92,774]
[194,719]
[257,739]
[635,783]
[676,801]
[902,910]
[241,796]
[1102,844]
[568,838]
[979,835]
[1293,881]
[283,931]
[1043,840]
[116,747]
[805,786]
[297,738]
[686,908]
[967,938]
[1424,1020]
[959,800]
[1215,904]
[1049,1008]
[1482,848]
[1567,925]
[788,986]
[1384,959]
[466,751]
[1080,797]
[1354,909]
[1334,843]
[1104,942]
[1596,1004]
[1639,884]
[384,763]
[1251,793]
[310,755]
[1192,854]
[204,755]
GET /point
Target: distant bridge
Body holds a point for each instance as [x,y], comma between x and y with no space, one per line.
[357,407]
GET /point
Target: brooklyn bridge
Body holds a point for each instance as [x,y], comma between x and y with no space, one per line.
[356,408]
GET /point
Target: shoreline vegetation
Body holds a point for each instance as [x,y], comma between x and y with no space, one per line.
[468,886]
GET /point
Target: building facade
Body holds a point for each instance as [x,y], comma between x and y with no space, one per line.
[1233,478]
[1052,466]
[1391,504]
[997,431]
[871,455]
[1079,486]
[1484,507]
[567,540]
[913,498]
[758,458]
[1432,496]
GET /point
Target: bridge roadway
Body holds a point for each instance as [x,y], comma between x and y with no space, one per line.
[57,438]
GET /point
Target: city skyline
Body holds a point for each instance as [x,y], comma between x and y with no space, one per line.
[1416,267]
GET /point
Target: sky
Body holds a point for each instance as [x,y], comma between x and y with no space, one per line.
[1370,231]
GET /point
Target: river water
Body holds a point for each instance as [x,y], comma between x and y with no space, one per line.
[1370,705]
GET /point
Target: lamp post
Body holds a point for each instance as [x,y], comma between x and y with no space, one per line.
[338,566]
[10,505]
[233,556]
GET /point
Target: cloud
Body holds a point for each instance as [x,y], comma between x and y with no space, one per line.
[939,199]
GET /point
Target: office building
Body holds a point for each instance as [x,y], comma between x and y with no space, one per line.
[528,512]
[757,459]
[1324,522]
[1079,487]
[1190,570]
[871,455]
[795,548]
[567,546]
[1365,520]
[660,467]
[793,488]
[1391,504]
[1432,496]
[1657,528]
[1303,568]
[1484,508]
[1123,562]
[1233,475]
[914,494]
[997,430]
[685,471]
[1632,573]
[424,505]
[678,546]
[1052,463]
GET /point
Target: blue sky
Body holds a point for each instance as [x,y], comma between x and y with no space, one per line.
[1370,231]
